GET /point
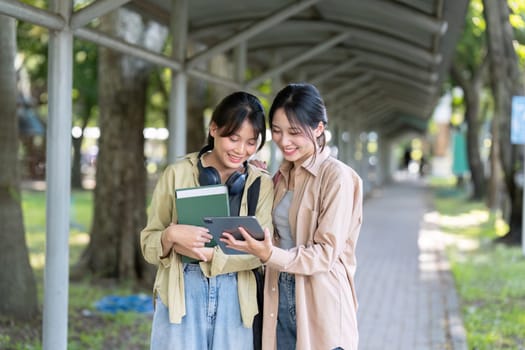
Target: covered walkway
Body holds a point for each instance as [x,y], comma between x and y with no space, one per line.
[379,64]
[407,297]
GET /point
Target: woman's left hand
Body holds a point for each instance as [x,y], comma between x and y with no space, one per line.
[261,249]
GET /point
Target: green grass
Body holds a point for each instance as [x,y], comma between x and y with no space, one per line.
[87,328]
[490,277]
[34,209]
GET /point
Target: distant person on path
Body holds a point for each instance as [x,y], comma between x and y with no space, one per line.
[310,300]
[407,158]
[209,304]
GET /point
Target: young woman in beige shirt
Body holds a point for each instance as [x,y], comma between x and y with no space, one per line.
[309,300]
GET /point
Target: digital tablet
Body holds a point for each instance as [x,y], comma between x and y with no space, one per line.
[219,224]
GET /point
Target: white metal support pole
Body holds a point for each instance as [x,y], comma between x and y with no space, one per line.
[276,87]
[274,165]
[58,179]
[380,169]
[348,139]
[363,162]
[240,62]
[179,87]
[177,116]
[342,135]
[352,148]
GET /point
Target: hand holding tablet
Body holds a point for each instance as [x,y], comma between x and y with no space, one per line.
[219,224]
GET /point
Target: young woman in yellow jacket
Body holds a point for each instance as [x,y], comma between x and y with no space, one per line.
[209,304]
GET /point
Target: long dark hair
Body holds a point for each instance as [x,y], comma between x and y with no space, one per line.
[231,112]
[304,108]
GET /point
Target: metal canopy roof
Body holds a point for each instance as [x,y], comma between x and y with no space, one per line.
[378,64]
[372,60]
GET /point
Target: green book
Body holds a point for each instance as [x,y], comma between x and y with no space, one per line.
[197,202]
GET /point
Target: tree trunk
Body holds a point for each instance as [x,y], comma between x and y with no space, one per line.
[198,100]
[471,90]
[120,193]
[17,283]
[476,167]
[76,167]
[197,103]
[505,81]
[496,191]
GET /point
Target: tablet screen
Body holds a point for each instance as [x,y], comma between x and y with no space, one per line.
[219,224]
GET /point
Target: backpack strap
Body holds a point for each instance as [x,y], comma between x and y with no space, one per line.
[253,196]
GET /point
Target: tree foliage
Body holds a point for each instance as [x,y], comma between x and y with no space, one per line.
[471,47]
[477,42]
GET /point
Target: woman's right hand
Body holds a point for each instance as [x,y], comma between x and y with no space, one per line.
[261,249]
[187,240]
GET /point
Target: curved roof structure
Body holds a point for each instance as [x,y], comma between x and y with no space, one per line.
[377,63]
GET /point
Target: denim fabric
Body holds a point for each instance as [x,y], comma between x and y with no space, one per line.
[212,320]
[286,317]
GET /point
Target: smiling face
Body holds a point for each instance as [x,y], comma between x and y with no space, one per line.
[293,141]
[230,152]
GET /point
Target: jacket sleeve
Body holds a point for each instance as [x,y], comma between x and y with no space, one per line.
[160,216]
[224,263]
[335,230]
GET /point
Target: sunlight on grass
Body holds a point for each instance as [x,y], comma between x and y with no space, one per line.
[489,277]
[501,226]
[446,182]
[37,260]
[77,243]
[471,218]
[457,215]
[82,238]
[34,209]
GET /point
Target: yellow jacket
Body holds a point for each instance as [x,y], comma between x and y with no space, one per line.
[169,281]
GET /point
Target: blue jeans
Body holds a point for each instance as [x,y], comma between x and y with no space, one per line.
[213,317]
[286,317]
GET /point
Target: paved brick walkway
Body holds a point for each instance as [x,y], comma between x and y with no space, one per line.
[407,297]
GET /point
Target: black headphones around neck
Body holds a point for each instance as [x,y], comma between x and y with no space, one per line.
[210,176]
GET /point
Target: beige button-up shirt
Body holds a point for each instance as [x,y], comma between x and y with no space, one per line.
[169,281]
[325,218]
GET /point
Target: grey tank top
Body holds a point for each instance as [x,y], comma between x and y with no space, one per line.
[282,224]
